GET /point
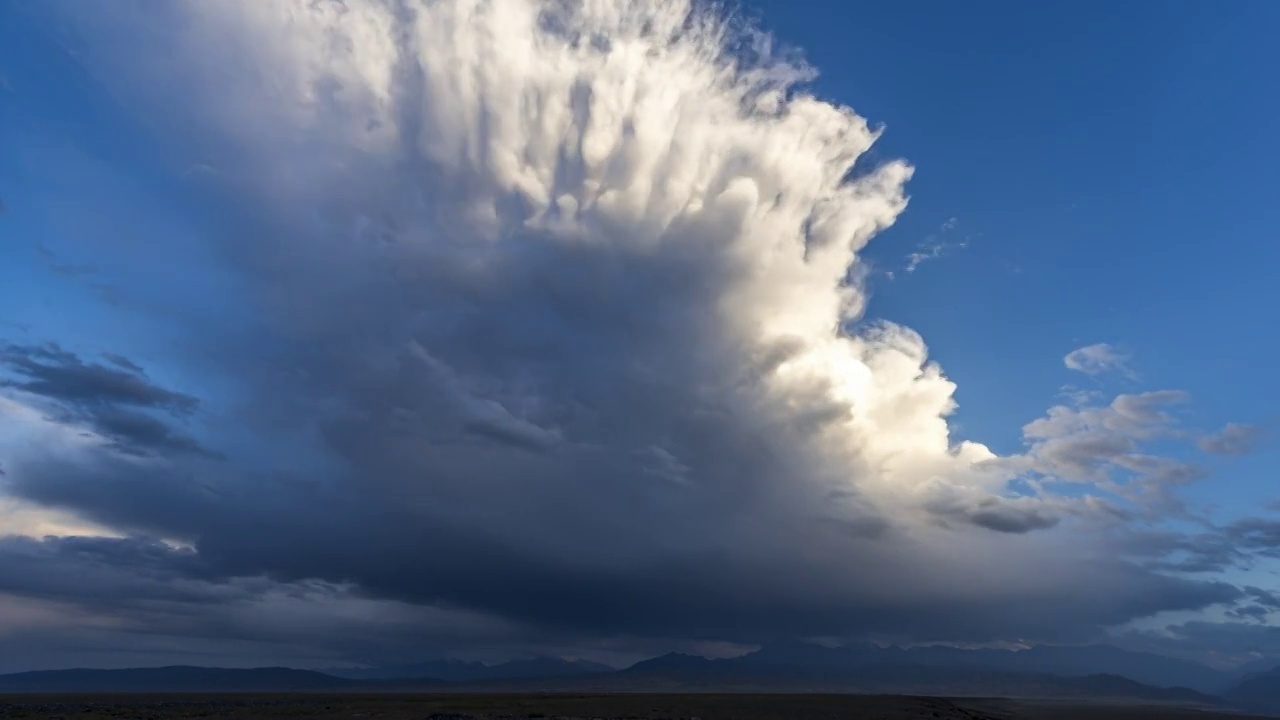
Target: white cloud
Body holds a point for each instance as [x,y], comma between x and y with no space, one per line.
[1098,359]
[936,245]
[1107,446]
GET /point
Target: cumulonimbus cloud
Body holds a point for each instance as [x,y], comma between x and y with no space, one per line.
[553,313]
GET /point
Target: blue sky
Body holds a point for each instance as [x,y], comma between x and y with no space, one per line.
[270,269]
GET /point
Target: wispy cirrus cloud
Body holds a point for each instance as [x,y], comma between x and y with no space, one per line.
[937,245]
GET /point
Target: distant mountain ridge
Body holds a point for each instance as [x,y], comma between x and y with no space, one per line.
[811,668]
[1259,692]
[1096,671]
[462,671]
[1146,668]
[176,679]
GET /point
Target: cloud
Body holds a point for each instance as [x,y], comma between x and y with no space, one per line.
[546,318]
[1004,517]
[1107,446]
[1257,535]
[118,402]
[52,372]
[126,601]
[29,520]
[1224,644]
[936,246]
[1258,607]
[124,363]
[1266,598]
[1207,551]
[1098,359]
[1241,544]
[1232,439]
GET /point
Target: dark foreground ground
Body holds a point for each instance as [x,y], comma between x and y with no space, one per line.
[575,707]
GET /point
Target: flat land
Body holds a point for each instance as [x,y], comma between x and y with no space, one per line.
[575,707]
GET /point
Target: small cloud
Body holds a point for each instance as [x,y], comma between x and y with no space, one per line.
[1257,606]
[936,245]
[1079,397]
[124,363]
[1232,439]
[115,400]
[1010,515]
[915,259]
[1250,613]
[200,170]
[1269,599]
[659,462]
[1099,359]
[1005,518]
[52,372]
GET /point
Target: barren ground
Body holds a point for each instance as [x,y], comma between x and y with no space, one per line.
[576,707]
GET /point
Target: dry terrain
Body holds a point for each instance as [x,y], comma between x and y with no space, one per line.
[584,707]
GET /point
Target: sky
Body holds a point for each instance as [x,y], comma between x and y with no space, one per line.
[368,332]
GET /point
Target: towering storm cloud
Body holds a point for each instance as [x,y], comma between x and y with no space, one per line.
[537,324]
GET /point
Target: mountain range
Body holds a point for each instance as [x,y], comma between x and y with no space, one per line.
[176,679]
[1259,692]
[462,671]
[1094,671]
[1145,668]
